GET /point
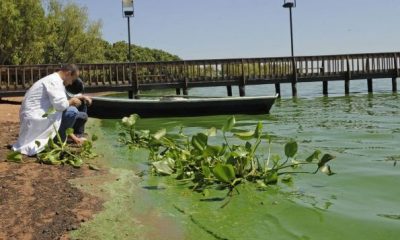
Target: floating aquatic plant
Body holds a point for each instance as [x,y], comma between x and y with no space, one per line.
[195,159]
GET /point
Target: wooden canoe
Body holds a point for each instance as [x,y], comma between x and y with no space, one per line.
[107,107]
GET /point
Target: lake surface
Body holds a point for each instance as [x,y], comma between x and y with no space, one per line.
[361,201]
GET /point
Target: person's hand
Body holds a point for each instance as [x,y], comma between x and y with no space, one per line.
[87,100]
[74,102]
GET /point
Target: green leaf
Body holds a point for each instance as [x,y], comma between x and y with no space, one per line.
[160,133]
[94,167]
[247,135]
[131,120]
[163,167]
[229,124]
[287,179]
[51,143]
[87,145]
[199,141]
[224,172]
[77,162]
[271,178]
[212,151]
[248,146]
[291,149]
[50,111]
[37,143]
[206,193]
[52,159]
[94,137]
[211,132]
[326,158]
[261,184]
[240,152]
[327,170]
[313,156]
[206,171]
[14,156]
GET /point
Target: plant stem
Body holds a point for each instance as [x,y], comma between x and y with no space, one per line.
[281,173]
[269,157]
[226,141]
[291,165]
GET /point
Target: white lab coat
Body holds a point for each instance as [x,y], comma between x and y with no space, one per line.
[47,93]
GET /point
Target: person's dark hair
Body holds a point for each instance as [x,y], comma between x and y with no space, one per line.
[69,68]
[76,87]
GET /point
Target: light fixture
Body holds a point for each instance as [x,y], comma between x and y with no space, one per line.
[127,8]
[289,3]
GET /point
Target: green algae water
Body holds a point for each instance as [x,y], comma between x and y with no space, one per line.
[361,201]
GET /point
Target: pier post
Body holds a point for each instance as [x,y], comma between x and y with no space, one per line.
[325,88]
[347,77]
[185,91]
[394,78]
[294,78]
[242,83]
[178,91]
[278,89]
[370,87]
[394,84]
[346,86]
[229,90]
[186,85]
[242,90]
[136,94]
[133,94]
[130,92]
[294,90]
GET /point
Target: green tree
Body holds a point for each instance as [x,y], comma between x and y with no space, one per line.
[118,52]
[70,36]
[21,31]
[62,33]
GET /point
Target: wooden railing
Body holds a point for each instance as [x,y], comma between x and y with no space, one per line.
[15,79]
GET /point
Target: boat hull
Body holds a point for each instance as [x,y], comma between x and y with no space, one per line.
[104,107]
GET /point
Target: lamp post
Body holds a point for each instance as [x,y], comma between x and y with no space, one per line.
[291,4]
[128,12]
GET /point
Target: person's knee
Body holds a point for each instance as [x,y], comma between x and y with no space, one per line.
[82,116]
[71,112]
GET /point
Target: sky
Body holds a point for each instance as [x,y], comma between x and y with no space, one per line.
[211,29]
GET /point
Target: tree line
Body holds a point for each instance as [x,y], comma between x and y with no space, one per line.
[50,32]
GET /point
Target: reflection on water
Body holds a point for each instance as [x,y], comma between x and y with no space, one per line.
[360,202]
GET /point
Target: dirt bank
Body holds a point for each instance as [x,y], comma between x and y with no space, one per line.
[37,201]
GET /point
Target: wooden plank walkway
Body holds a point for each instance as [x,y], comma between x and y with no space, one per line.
[16,79]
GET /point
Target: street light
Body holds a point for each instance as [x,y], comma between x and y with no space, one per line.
[128,12]
[292,4]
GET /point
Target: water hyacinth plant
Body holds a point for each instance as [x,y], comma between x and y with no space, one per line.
[58,152]
[227,165]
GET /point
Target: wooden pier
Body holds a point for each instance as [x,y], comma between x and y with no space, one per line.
[183,75]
